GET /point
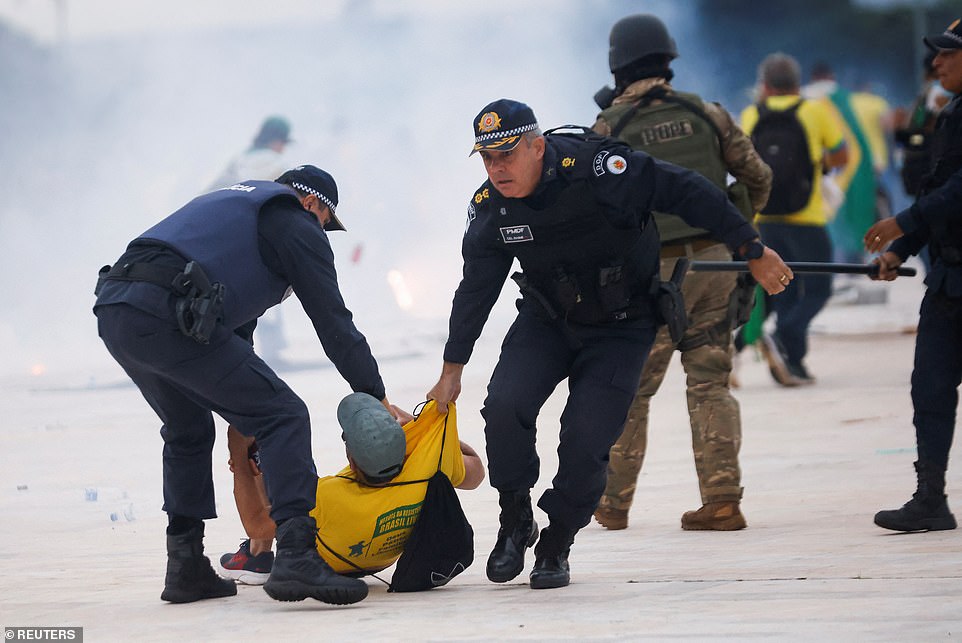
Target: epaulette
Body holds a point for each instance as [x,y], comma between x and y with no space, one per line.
[478,202]
[482,195]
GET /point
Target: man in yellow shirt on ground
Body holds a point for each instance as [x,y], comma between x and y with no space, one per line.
[365,512]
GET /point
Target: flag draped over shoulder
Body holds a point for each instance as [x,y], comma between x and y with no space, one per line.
[857,212]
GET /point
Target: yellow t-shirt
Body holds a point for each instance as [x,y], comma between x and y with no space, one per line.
[824,134]
[370,525]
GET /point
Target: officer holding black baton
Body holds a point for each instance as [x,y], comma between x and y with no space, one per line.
[575,211]
[935,218]
[177,312]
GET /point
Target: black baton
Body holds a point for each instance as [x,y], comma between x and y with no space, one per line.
[801,266]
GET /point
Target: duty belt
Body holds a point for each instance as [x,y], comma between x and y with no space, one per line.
[687,248]
[173,279]
[199,304]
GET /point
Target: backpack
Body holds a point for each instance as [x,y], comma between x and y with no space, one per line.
[782,143]
[676,129]
[441,544]
[667,131]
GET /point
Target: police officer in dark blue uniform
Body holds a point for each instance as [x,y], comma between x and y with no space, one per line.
[178,310]
[935,218]
[575,211]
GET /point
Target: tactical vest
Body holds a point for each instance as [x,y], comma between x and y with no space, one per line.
[946,239]
[673,132]
[588,270]
[219,231]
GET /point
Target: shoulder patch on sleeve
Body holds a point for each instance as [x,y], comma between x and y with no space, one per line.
[477,204]
[472,213]
[607,162]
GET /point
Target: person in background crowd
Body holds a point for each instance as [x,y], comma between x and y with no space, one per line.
[794,220]
[264,160]
[858,210]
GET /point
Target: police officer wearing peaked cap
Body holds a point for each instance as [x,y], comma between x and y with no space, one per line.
[177,311]
[575,211]
[935,218]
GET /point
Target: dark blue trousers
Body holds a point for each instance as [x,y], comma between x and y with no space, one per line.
[603,375]
[797,306]
[936,376]
[184,382]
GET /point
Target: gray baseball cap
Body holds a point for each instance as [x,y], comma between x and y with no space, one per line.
[373,437]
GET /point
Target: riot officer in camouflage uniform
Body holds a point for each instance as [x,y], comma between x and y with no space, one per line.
[646,112]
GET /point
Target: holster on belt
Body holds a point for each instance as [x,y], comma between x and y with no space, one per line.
[199,305]
[200,310]
[670,302]
[529,290]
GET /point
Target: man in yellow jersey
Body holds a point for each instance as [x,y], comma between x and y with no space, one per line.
[365,512]
[793,223]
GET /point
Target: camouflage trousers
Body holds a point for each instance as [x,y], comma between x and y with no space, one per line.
[706,355]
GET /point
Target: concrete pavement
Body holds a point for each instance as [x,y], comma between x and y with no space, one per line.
[817,462]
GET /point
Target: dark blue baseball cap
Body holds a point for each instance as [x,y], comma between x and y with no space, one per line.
[313,180]
[500,124]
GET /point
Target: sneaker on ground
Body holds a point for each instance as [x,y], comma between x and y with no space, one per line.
[246,568]
[777,365]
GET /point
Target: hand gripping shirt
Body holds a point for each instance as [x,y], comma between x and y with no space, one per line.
[369,526]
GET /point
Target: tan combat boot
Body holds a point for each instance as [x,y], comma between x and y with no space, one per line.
[611,518]
[714,516]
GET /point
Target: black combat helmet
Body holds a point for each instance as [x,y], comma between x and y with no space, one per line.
[634,37]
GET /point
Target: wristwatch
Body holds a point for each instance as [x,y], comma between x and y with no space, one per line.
[754,249]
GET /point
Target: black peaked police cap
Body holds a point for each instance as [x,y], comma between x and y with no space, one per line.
[951,38]
[500,124]
[313,180]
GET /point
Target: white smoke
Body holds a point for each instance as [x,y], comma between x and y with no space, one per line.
[125,125]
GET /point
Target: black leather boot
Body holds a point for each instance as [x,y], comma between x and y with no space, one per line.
[551,557]
[927,510]
[189,574]
[518,532]
[299,572]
